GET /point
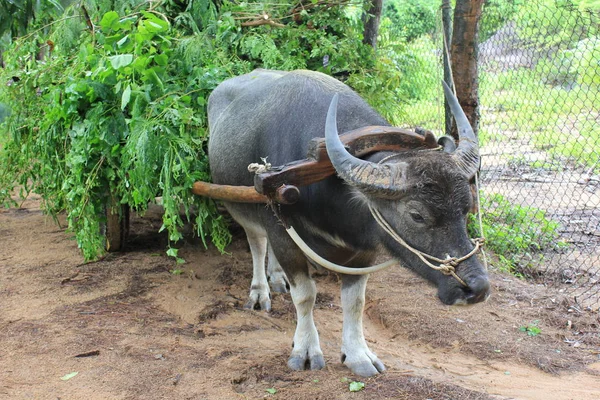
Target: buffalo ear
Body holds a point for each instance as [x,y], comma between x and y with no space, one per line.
[448,144]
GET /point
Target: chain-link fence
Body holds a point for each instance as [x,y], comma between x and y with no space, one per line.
[539,66]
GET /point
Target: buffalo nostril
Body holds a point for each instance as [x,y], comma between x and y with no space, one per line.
[478,291]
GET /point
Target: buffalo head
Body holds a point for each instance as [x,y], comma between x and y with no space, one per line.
[424,196]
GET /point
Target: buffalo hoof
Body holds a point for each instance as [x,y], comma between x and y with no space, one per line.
[364,365]
[299,363]
[280,286]
[259,299]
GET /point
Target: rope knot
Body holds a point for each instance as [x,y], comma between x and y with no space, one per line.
[453,262]
[447,269]
[258,168]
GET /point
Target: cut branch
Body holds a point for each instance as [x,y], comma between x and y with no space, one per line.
[239,194]
[263,21]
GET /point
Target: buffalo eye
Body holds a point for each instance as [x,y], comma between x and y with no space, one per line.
[418,218]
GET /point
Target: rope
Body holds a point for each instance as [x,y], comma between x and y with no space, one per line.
[485,263]
[310,253]
[446,266]
[260,168]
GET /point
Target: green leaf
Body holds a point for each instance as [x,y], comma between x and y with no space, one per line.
[161,59]
[153,23]
[108,20]
[271,390]
[533,331]
[126,23]
[125,97]
[122,40]
[356,386]
[122,60]
[172,252]
[69,376]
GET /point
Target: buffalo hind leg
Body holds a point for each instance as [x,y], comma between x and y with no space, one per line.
[307,350]
[277,277]
[355,352]
[259,289]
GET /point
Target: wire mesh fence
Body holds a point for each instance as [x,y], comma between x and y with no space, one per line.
[539,66]
[540,130]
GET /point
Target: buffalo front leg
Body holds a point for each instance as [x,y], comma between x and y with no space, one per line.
[259,289]
[355,352]
[307,350]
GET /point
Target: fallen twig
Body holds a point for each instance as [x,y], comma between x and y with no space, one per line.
[73,278]
[70,278]
[269,320]
[88,354]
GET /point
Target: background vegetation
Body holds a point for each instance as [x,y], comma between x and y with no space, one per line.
[105,101]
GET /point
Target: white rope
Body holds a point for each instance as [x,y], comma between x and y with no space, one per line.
[485,263]
[446,266]
[332,266]
[260,168]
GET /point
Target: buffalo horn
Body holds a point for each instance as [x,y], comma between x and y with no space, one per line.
[369,177]
[466,154]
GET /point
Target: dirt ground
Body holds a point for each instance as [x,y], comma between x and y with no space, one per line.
[132,330]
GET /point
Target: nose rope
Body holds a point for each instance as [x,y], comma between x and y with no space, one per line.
[446,266]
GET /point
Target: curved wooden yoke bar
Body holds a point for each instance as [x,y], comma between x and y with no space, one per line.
[280,184]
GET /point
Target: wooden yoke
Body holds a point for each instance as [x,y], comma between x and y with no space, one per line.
[317,166]
[280,184]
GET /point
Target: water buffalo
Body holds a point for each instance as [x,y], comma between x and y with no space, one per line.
[422,196]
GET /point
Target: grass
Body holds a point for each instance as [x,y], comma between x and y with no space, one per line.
[560,120]
[517,234]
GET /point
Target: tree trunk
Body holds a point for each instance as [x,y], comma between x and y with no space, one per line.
[116,229]
[371,18]
[464,55]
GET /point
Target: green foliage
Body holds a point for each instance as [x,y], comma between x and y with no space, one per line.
[522,100]
[18,15]
[356,386]
[495,14]
[586,60]
[556,23]
[402,74]
[119,112]
[531,329]
[4,112]
[514,232]
[122,122]
[411,19]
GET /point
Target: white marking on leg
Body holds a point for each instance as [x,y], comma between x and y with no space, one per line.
[277,277]
[355,352]
[307,349]
[259,289]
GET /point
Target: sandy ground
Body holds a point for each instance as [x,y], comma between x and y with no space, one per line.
[132,330]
